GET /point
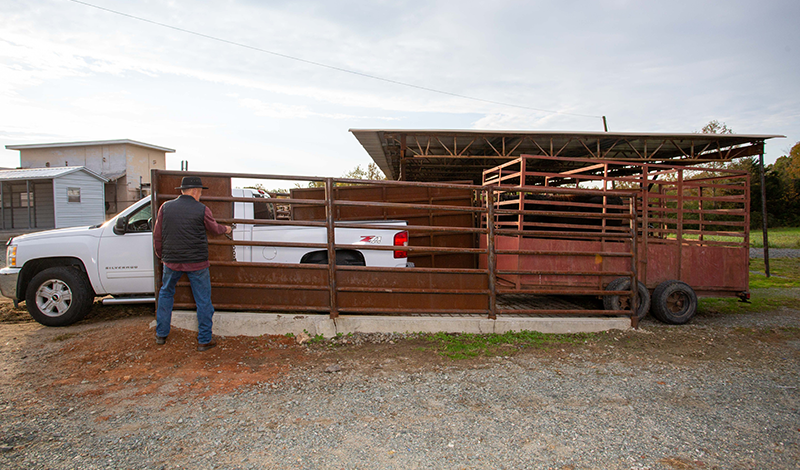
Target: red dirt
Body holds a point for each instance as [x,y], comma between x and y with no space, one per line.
[100,362]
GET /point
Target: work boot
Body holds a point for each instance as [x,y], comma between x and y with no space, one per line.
[161,340]
[206,346]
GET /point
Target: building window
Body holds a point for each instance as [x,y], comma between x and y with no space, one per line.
[25,199]
[73,194]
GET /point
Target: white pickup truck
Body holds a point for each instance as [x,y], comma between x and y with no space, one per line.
[58,273]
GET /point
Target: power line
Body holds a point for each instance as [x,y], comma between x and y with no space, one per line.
[327,66]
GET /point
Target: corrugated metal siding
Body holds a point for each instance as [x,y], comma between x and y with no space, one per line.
[91,209]
[43,204]
[15,214]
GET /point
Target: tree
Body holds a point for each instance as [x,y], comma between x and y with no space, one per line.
[371,173]
[714,127]
[784,175]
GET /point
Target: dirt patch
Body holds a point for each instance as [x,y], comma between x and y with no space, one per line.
[124,361]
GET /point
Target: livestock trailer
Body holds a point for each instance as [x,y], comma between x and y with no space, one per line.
[589,227]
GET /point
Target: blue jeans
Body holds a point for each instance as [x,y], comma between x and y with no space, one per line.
[201,290]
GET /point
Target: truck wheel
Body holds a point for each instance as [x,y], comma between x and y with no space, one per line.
[59,296]
[674,302]
[617,302]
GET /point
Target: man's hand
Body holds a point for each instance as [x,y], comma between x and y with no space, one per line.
[228,229]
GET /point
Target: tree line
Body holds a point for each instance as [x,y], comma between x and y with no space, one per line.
[782,180]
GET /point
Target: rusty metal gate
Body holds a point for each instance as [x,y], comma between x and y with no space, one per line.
[460,259]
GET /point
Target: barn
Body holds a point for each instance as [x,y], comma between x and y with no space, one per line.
[46,198]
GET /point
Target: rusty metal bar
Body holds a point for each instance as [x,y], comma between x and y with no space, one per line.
[557,290]
[551,234]
[563,253]
[329,207]
[423,311]
[565,273]
[616,313]
[409,206]
[634,293]
[249,285]
[491,254]
[409,290]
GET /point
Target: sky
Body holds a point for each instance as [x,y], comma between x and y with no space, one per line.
[71,72]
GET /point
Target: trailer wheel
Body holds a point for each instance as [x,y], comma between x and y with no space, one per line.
[617,302]
[674,302]
[59,296]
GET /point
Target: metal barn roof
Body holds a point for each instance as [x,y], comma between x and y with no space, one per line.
[449,155]
[44,173]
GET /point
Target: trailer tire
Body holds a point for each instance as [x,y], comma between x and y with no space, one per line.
[59,296]
[674,302]
[616,302]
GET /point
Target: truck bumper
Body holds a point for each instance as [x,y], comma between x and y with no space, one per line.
[8,282]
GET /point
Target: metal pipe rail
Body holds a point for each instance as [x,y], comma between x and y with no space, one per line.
[333,288]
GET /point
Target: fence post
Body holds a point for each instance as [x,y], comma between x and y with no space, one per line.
[490,253]
[331,246]
[634,261]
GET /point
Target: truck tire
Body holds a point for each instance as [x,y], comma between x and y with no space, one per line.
[674,302]
[616,302]
[59,296]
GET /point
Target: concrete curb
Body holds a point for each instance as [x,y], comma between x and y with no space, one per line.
[257,324]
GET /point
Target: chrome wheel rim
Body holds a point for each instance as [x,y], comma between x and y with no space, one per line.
[53,297]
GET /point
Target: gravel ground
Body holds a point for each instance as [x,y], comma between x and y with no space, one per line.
[775,253]
[721,392]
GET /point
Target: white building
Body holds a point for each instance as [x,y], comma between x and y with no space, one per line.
[125,164]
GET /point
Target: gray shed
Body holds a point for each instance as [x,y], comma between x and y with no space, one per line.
[44,198]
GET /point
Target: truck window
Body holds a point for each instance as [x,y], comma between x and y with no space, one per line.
[263,210]
[140,221]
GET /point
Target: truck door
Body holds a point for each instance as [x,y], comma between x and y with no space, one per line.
[125,259]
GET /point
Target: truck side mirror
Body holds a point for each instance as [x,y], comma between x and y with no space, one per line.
[121,226]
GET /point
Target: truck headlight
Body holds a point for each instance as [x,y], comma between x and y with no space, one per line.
[11,255]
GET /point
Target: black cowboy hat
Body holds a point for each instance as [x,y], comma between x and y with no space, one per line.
[189,182]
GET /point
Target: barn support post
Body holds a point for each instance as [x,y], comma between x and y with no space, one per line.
[28,200]
[3,205]
[764,212]
[491,254]
[331,246]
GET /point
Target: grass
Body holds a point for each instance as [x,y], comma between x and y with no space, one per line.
[779,290]
[466,345]
[761,300]
[784,272]
[788,237]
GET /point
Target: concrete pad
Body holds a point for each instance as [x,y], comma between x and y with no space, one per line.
[562,325]
[257,324]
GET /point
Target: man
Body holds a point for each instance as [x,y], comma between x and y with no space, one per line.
[179,238]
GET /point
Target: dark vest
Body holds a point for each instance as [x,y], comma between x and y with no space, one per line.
[183,232]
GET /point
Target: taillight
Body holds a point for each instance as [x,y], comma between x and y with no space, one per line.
[401,239]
